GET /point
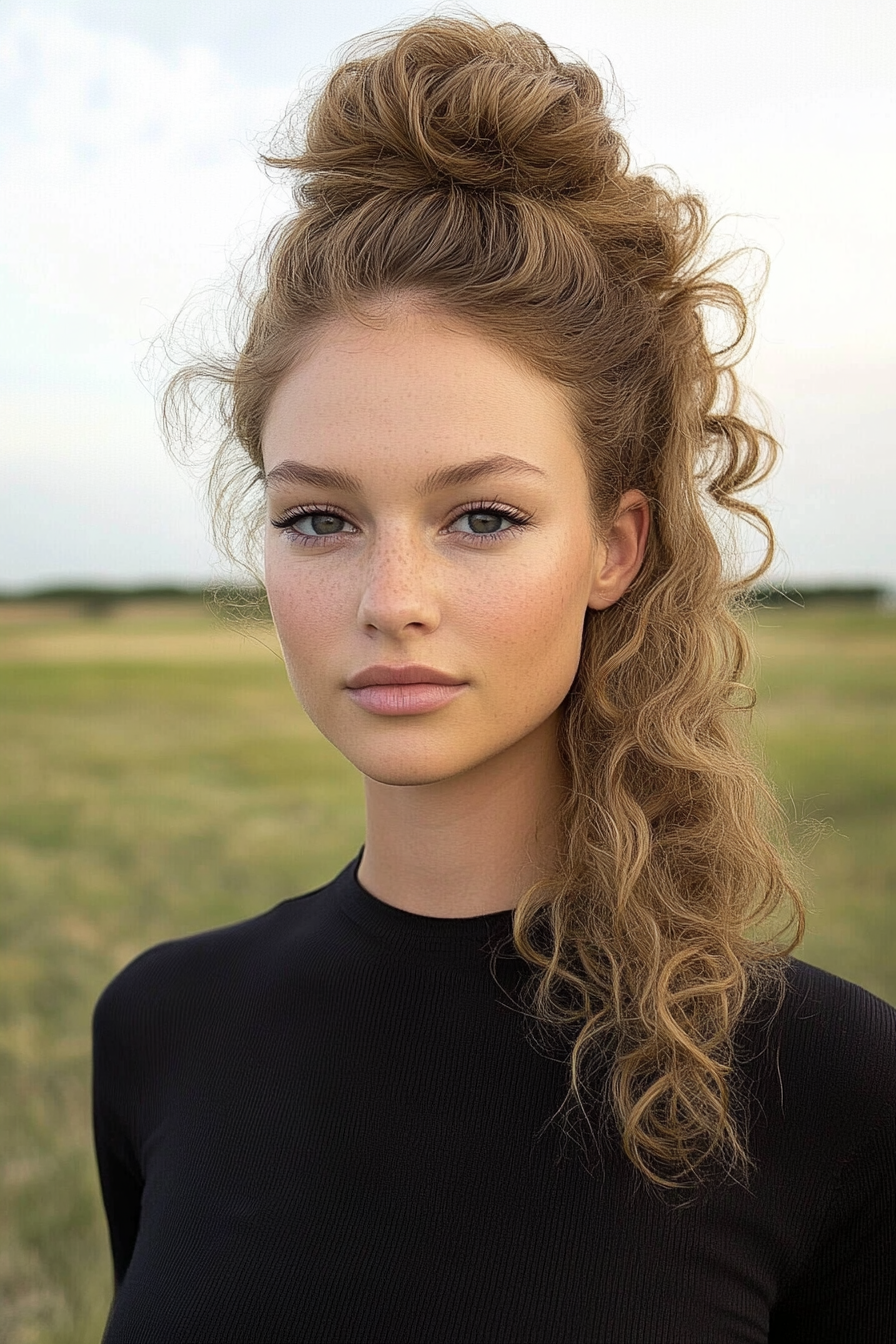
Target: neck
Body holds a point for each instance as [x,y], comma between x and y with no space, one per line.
[469,845]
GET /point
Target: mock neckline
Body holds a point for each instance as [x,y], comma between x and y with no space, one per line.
[468,940]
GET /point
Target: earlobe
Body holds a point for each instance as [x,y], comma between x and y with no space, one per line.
[621,555]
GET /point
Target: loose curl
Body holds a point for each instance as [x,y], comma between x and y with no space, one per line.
[462,166]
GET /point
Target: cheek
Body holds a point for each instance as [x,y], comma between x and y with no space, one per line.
[308,614]
[531,620]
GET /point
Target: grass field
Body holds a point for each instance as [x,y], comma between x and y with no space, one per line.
[158,778]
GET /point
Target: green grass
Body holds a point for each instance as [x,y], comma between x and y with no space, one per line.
[827,722]
[158,778]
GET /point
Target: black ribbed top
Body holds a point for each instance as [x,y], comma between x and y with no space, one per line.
[329,1124]
[439,943]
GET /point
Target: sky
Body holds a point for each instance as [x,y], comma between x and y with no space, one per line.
[129,184]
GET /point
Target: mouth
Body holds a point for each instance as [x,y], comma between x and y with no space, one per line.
[419,697]
[402,674]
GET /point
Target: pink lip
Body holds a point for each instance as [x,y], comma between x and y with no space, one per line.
[401,674]
[408,698]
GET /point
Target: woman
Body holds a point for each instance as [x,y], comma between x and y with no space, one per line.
[479,401]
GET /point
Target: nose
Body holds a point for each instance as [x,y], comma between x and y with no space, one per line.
[399,592]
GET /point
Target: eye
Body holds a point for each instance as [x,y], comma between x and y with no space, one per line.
[487,521]
[319,524]
[310,525]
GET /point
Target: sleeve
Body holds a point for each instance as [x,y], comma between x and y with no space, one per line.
[847,1292]
[121,1181]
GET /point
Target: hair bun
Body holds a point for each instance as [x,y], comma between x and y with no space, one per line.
[456,104]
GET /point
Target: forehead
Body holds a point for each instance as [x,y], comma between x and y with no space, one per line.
[414,390]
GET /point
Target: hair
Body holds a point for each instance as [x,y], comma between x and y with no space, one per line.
[462,166]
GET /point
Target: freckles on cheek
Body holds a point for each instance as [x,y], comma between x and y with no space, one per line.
[306,614]
[537,620]
[554,595]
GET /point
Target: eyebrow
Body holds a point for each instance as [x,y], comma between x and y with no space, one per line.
[322,478]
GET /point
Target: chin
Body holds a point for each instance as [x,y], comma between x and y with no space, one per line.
[405,773]
[408,764]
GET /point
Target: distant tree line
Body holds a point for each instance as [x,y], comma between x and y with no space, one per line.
[101,599]
[804,595]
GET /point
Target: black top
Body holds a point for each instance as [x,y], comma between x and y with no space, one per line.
[329,1123]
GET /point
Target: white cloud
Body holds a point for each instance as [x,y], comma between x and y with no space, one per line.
[127,176]
[89,494]
[128,179]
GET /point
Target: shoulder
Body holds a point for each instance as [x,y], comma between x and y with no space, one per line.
[832,1183]
[818,1071]
[213,967]
[833,1060]
[836,1022]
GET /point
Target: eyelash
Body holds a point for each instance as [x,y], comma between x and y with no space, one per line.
[519,521]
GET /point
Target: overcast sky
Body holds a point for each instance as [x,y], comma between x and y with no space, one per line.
[128,179]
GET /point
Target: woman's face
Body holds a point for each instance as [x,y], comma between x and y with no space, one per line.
[427,504]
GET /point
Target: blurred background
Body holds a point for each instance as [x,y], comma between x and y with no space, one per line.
[157,775]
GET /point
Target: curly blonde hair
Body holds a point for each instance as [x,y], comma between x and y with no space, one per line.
[464,164]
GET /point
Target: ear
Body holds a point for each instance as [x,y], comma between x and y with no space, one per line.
[621,550]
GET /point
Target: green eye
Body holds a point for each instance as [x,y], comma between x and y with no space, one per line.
[322,524]
[315,523]
[482,522]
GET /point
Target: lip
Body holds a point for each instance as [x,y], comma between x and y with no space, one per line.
[406,674]
[419,697]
